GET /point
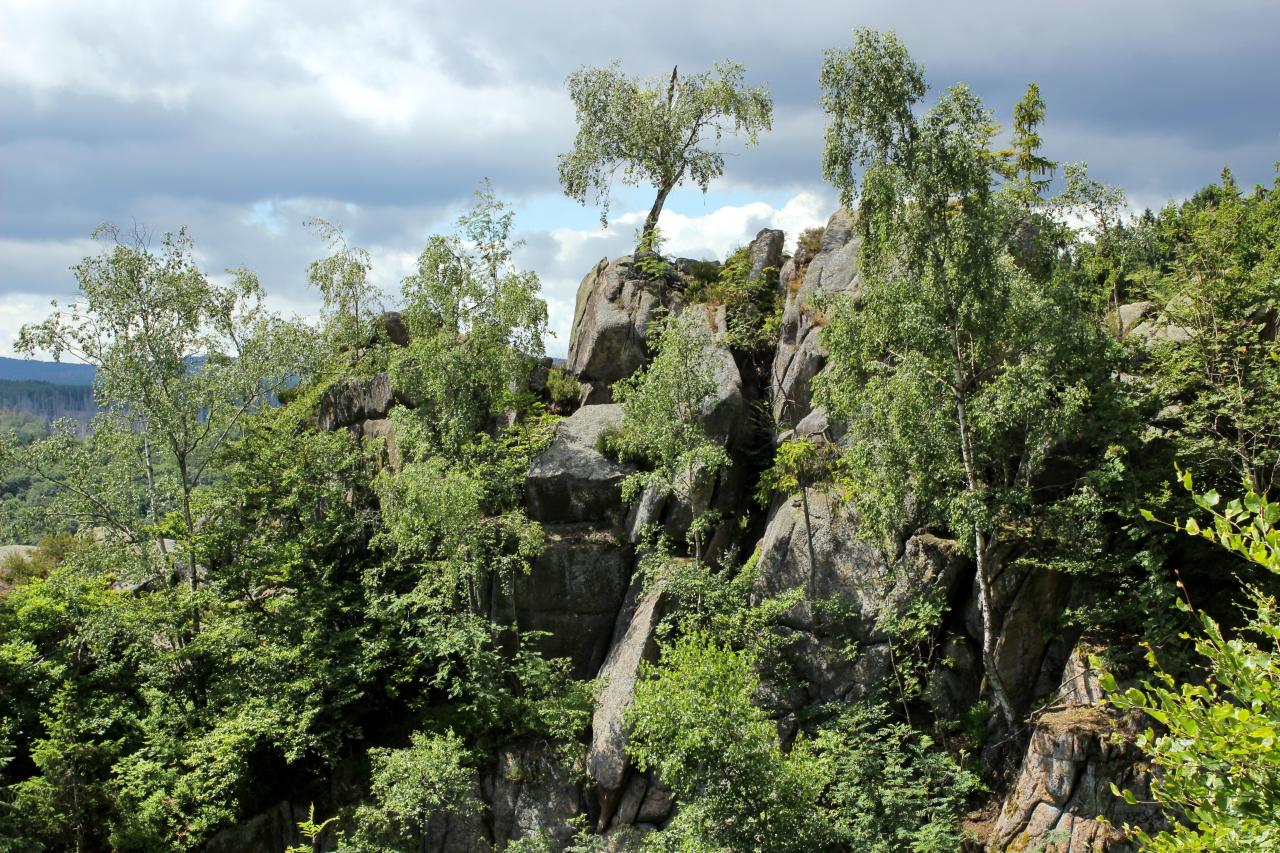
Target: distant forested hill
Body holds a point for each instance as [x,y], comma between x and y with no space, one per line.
[48,401]
[55,373]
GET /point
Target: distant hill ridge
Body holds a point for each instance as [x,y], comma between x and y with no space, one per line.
[48,401]
[53,372]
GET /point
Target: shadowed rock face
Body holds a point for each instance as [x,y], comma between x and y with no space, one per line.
[574,592]
[824,556]
[354,400]
[531,791]
[271,831]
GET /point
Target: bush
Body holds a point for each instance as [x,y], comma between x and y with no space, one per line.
[1220,748]
[562,387]
[810,241]
[863,783]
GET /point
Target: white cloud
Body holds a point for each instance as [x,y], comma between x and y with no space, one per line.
[16,310]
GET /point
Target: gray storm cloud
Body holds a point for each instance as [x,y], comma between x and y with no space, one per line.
[240,119]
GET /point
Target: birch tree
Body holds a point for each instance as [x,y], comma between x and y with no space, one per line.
[180,357]
[661,132]
[958,373]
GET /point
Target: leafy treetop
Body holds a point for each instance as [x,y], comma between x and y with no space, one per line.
[659,132]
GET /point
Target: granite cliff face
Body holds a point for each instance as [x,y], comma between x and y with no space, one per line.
[585,592]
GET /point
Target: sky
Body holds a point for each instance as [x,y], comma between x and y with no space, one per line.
[241,120]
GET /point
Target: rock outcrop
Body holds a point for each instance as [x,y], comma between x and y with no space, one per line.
[270,832]
[765,252]
[572,481]
[390,325]
[384,429]
[725,416]
[821,553]
[573,592]
[1061,800]
[801,356]
[616,303]
[584,593]
[531,792]
[634,641]
[352,401]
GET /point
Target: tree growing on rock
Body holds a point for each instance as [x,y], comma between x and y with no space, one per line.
[659,132]
[959,373]
[476,324]
[349,298]
[664,408]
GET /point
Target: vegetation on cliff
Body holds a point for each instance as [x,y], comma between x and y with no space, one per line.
[295,563]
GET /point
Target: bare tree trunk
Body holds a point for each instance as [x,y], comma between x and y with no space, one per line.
[188,521]
[651,221]
[808,533]
[982,556]
[984,570]
[152,511]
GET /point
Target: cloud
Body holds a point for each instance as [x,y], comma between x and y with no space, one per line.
[240,119]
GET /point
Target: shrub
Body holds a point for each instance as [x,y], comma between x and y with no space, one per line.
[1219,749]
[562,387]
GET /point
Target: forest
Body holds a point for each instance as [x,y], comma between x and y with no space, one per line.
[955,526]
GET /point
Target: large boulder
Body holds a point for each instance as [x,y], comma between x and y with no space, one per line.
[645,801]
[765,252]
[725,416]
[1061,801]
[384,430]
[390,326]
[801,356]
[572,481]
[615,305]
[573,592]
[1029,636]
[634,642]
[446,832]
[1150,325]
[351,401]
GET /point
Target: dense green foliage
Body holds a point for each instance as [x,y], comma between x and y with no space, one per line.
[753,303]
[665,406]
[230,608]
[329,628]
[476,324]
[861,783]
[1218,745]
[960,371]
[348,299]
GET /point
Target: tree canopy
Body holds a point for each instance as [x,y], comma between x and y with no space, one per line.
[958,371]
[658,131]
